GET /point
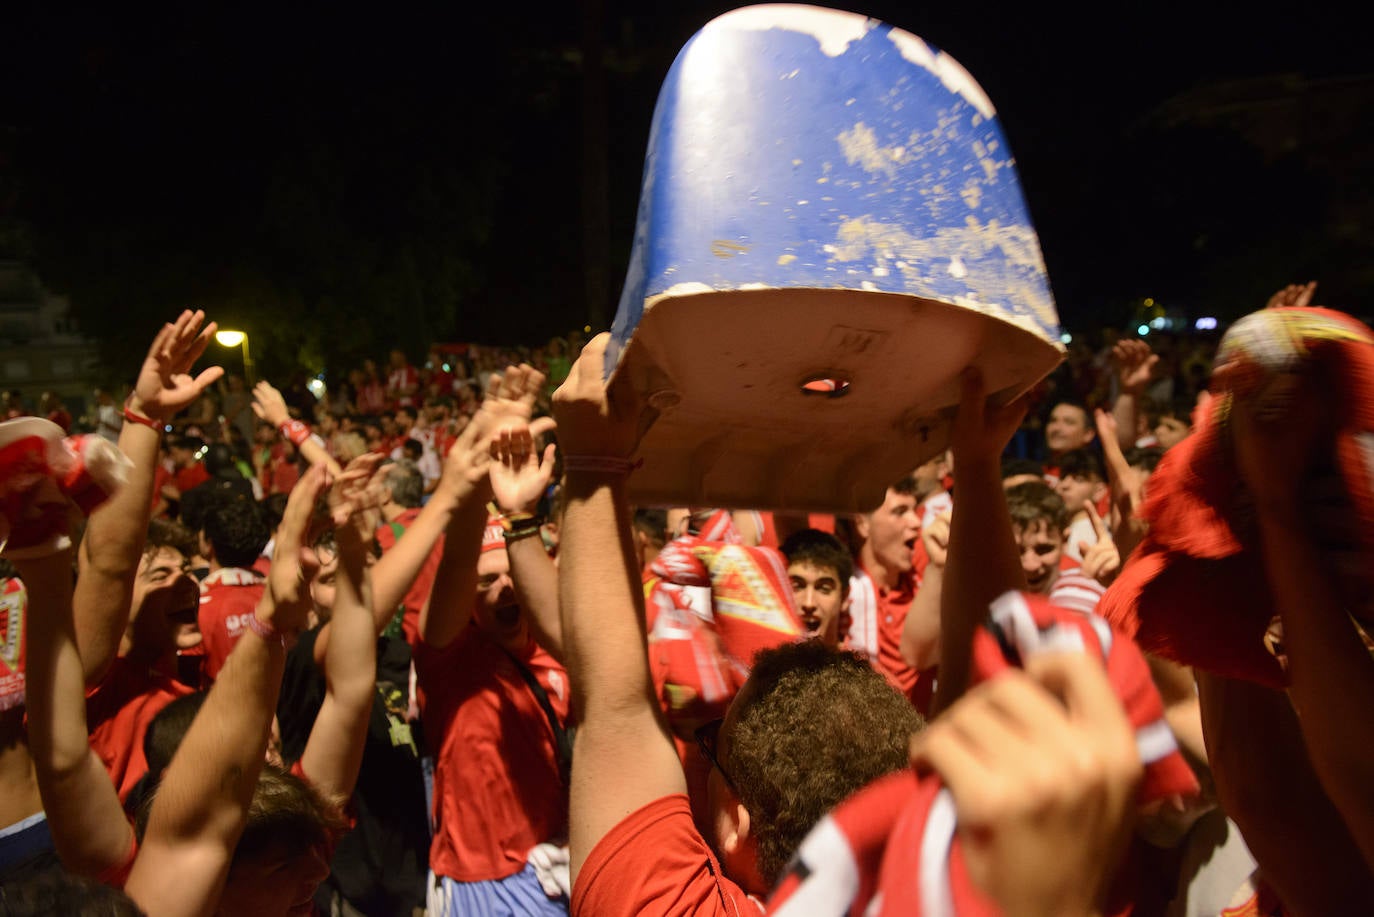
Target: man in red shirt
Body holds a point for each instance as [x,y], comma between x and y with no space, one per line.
[781,756]
[134,604]
[402,381]
[884,585]
[1069,427]
[1040,524]
[141,679]
[189,470]
[233,538]
[494,698]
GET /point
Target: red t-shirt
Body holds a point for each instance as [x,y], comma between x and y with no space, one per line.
[190,476]
[160,478]
[401,385]
[419,590]
[284,475]
[497,788]
[118,712]
[892,608]
[227,597]
[655,862]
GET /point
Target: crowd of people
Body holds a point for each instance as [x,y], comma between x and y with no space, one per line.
[405,647]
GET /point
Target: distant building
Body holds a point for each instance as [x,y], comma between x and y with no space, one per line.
[40,349]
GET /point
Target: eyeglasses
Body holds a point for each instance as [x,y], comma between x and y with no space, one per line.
[708,737]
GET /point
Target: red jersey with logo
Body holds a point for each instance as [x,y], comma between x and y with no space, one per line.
[228,597]
[118,712]
[497,787]
[654,862]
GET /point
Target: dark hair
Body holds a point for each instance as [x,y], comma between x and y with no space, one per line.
[1144,457]
[904,485]
[288,813]
[654,523]
[1179,408]
[237,532]
[817,724]
[219,461]
[1082,463]
[1015,467]
[193,443]
[413,449]
[820,549]
[406,483]
[164,533]
[1034,502]
[165,731]
[56,891]
[272,508]
[1077,405]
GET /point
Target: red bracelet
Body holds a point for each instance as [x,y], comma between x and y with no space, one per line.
[295,431]
[139,419]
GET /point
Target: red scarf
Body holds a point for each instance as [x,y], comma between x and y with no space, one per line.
[1195,590]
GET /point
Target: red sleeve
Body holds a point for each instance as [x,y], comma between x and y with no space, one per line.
[655,863]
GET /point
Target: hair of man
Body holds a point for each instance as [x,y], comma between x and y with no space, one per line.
[236,530]
[822,550]
[815,726]
[1034,502]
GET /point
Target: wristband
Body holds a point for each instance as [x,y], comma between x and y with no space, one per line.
[266,631]
[132,417]
[600,464]
[295,432]
[521,534]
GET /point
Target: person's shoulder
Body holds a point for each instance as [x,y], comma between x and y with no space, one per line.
[655,862]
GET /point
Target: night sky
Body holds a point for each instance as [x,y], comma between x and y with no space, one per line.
[396,175]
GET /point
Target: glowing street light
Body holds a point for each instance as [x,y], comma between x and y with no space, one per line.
[227,337]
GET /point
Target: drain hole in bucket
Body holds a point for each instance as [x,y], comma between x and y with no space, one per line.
[825,386]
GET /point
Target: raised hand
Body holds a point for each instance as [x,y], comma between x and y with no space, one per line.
[356,498]
[165,386]
[1295,294]
[518,476]
[1043,768]
[1134,363]
[982,429]
[1128,485]
[294,564]
[936,538]
[594,420]
[269,405]
[508,404]
[1101,561]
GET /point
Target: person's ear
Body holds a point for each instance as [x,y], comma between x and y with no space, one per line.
[738,833]
[861,526]
[1099,491]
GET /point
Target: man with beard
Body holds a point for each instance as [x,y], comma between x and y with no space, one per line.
[494,698]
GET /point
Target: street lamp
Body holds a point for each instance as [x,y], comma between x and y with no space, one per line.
[229,338]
